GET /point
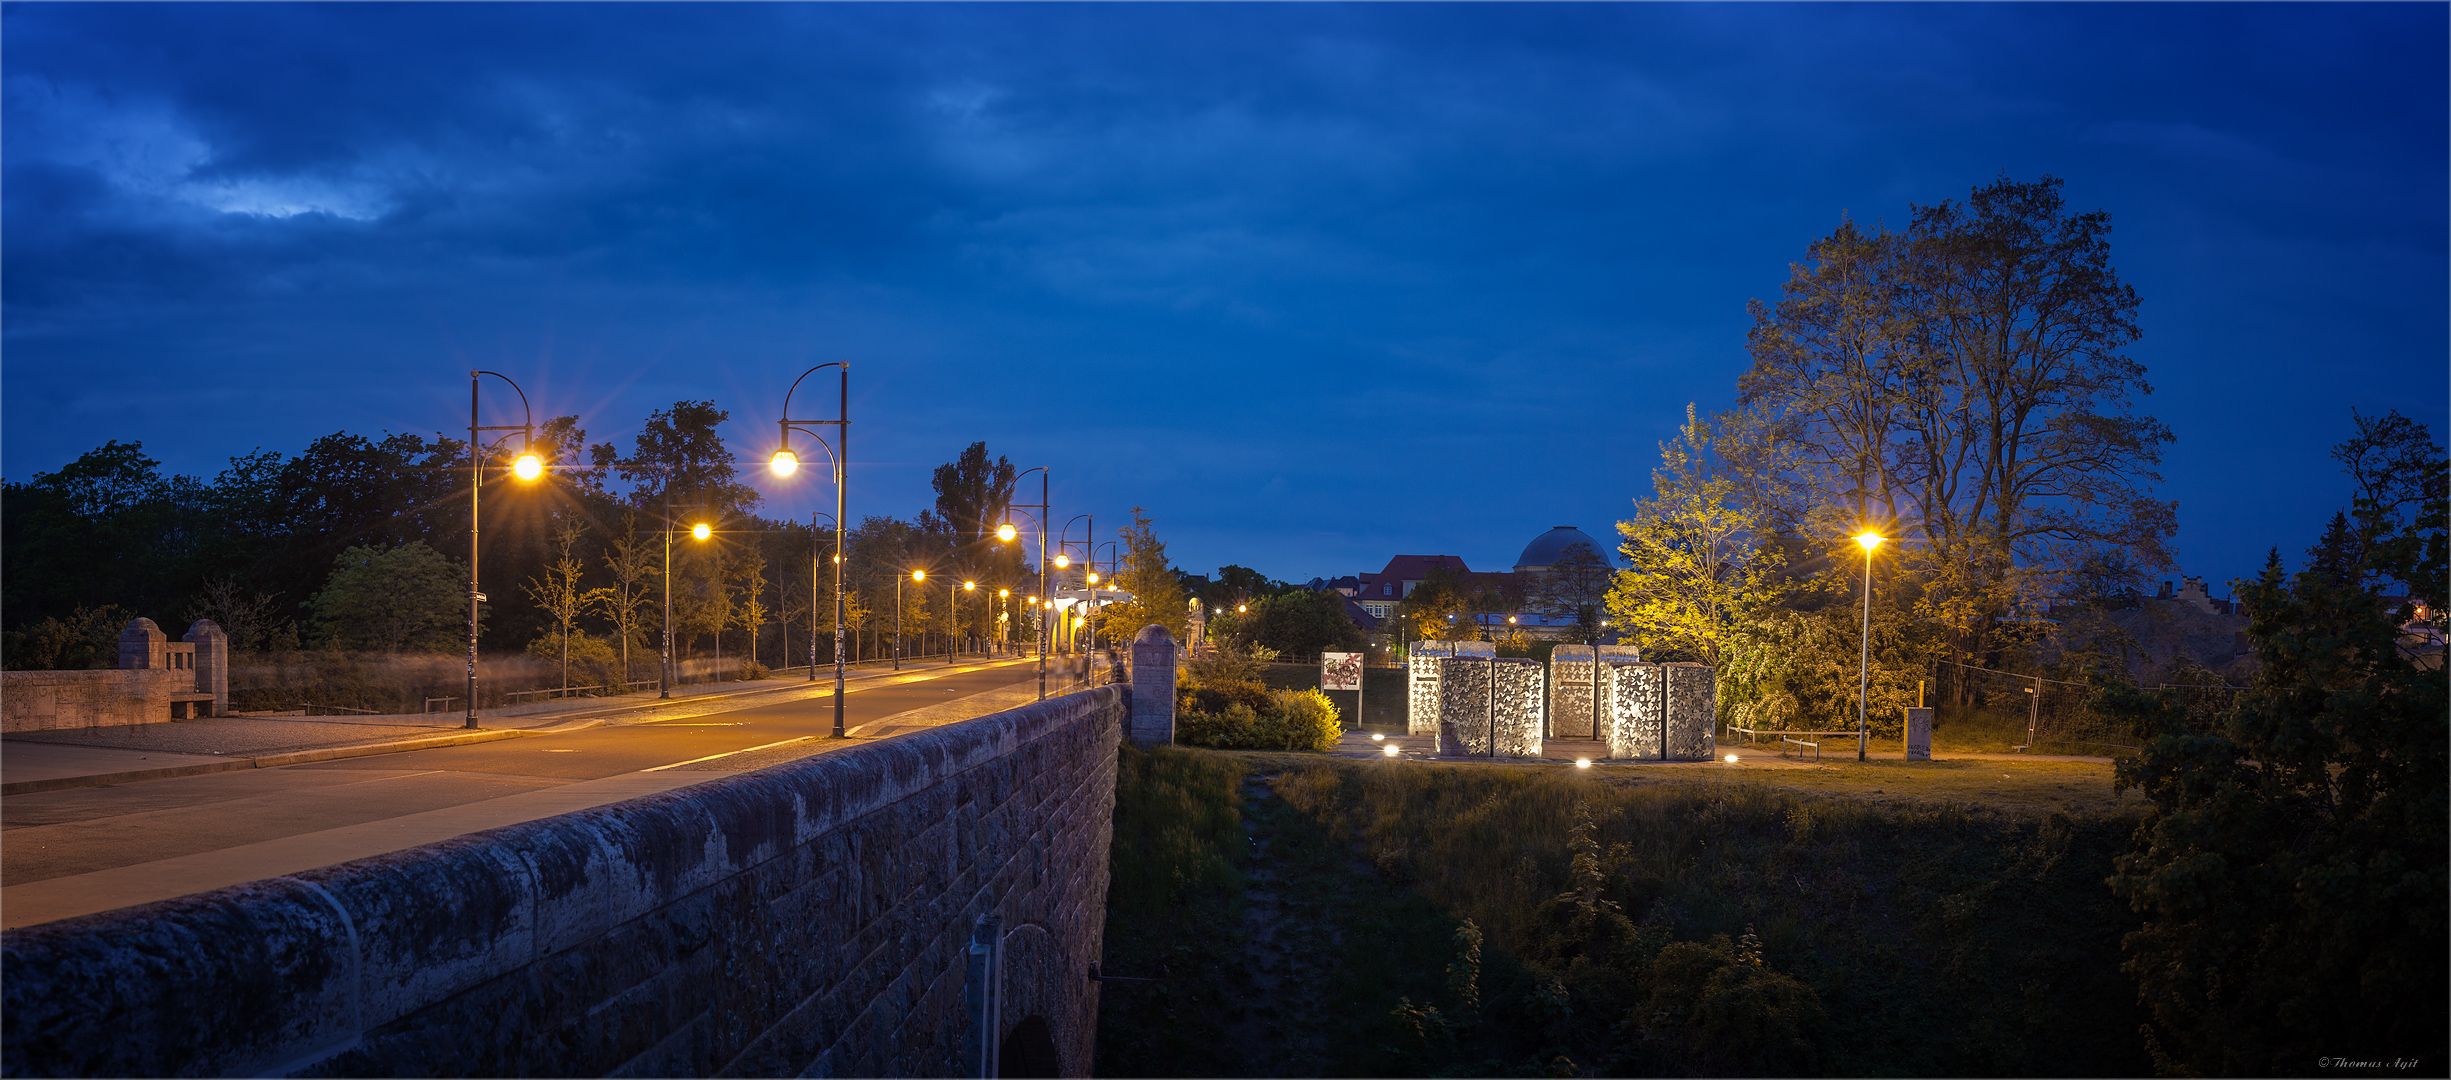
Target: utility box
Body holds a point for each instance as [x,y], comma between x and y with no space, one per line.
[1918,734]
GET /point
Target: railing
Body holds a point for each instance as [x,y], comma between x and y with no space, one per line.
[309,707]
[1799,744]
[550,692]
[445,700]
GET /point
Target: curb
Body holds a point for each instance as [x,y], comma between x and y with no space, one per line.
[268,761]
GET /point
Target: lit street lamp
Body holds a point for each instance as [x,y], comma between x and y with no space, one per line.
[785,463]
[953,615]
[529,467]
[916,575]
[1863,674]
[699,532]
[1006,532]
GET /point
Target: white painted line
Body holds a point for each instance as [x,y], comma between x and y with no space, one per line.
[728,753]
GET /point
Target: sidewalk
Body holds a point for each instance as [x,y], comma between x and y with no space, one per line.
[97,757]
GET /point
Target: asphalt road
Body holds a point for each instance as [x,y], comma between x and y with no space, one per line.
[81,830]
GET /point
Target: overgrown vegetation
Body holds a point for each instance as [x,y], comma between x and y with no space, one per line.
[1548,923]
[1221,703]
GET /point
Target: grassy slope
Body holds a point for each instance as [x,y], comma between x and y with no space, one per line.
[1295,898]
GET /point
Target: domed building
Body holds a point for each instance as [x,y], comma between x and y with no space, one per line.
[1544,550]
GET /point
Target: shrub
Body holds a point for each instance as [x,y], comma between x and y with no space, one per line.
[1302,720]
[751,671]
[1215,696]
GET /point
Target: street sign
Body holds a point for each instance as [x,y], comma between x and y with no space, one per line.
[1340,671]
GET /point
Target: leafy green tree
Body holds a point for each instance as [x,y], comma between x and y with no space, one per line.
[1300,623]
[1440,608]
[391,600]
[633,560]
[1157,594]
[1577,584]
[1698,565]
[679,459]
[2292,871]
[560,593]
[87,638]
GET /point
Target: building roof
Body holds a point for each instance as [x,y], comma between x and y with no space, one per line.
[1418,567]
[1544,549]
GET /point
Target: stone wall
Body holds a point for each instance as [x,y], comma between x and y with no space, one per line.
[1481,699]
[808,919]
[53,700]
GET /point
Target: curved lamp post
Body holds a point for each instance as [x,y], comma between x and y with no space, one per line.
[953,614]
[1863,673]
[1038,521]
[785,463]
[527,468]
[916,575]
[1089,567]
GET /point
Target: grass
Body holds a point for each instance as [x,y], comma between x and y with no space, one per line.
[1951,917]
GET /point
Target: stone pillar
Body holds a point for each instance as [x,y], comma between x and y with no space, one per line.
[212,663]
[1693,707]
[1918,734]
[1574,693]
[1152,718]
[141,646]
[1634,710]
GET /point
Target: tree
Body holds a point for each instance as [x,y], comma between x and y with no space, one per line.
[2387,535]
[1157,594]
[1299,623]
[558,591]
[747,583]
[247,617]
[1438,609]
[632,561]
[1577,584]
[1697,563]
[1964,380]
[680,460]
[972,494]
[391,599]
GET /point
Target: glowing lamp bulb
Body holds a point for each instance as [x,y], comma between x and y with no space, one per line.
[1731,759]
[1093,579]
[969,585]
[1869,540]
[1006,531]
[701,531]
[1392,750]
[1062,561]
[1003,594]
[784,463]
[1582,763]
[1241,608]
[919,575]
[1376,737]
[528,467]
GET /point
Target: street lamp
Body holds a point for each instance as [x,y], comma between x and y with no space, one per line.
[1863,673]
[699,532]
[1038,521]
[785,463]
[916,575]
[953,614]
[1090,566]
[529,467]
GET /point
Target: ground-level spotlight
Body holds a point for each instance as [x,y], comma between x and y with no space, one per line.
[1392,750]
[1582,763]
[1731,759]
[1376,737]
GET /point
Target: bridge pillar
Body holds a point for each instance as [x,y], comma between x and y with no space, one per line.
[1151,720]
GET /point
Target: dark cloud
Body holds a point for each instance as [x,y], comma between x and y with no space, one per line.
[1314,282]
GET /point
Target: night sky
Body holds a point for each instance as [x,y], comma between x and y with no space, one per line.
[1315,285]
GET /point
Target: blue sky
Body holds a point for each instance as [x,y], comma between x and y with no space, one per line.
[1314,284]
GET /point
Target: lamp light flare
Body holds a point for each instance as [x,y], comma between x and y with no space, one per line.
[969,585]
[784,463]
[919,575]
[1093,579]
[1062,561]
[528,467]
[1006,532]
[701,531]
[1869,540]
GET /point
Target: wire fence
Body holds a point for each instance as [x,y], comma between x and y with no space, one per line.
[2059,713]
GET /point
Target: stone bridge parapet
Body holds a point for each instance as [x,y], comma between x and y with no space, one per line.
[807,919]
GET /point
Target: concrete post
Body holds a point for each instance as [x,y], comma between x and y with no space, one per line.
[1918,734]
[140,646]
[1152,718]
[212,663]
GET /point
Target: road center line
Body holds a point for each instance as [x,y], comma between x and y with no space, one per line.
[727,753]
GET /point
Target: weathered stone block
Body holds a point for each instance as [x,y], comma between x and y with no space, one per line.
[1490,701]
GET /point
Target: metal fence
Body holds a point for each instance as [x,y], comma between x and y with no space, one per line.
[2058,713]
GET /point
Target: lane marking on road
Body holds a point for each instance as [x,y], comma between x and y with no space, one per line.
[728,753]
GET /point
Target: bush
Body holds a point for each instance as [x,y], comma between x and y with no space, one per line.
[1279,720]
[752,671]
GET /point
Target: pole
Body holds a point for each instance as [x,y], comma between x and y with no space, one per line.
[476,482]
[842,481]
[1047,593]
[2033,716]
[1863,676]
[812,598]
[897,620]
[667,653]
